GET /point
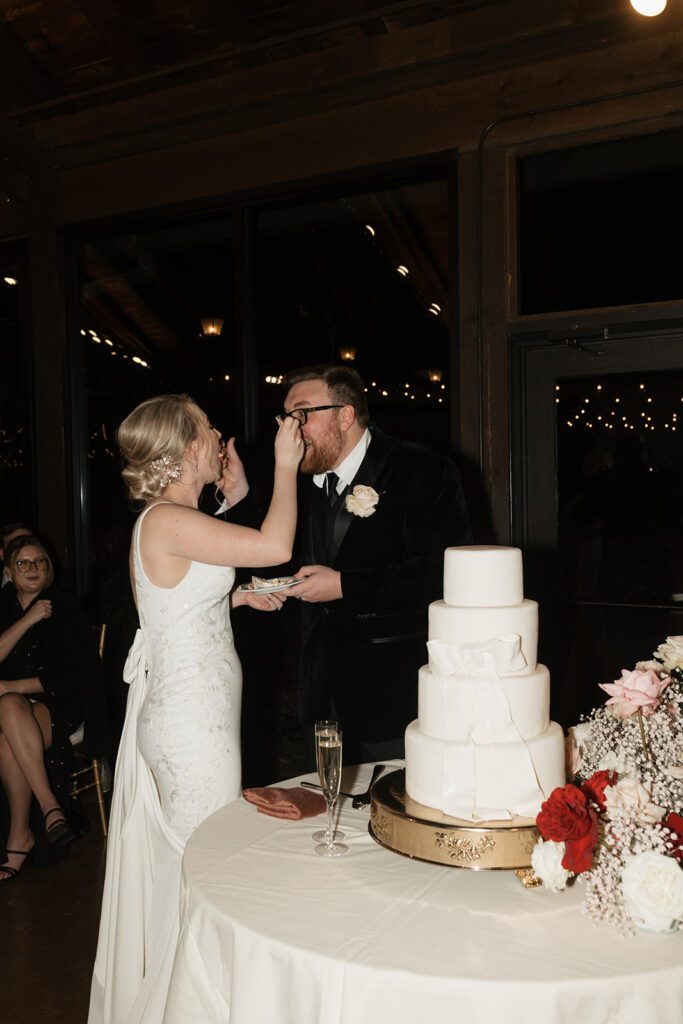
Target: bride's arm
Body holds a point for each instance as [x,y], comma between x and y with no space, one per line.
[187,533]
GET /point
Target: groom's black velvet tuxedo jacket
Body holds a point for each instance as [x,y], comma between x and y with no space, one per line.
[364,651]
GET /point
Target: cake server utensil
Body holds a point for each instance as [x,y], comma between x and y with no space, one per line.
[363,799]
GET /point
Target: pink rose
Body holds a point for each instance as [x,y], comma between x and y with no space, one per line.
[635,691]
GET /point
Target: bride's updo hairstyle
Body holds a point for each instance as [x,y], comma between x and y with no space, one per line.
[153,440]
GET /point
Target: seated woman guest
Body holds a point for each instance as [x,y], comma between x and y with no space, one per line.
[45,651]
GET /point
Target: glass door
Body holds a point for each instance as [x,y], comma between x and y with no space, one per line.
[597,476]
[16,400]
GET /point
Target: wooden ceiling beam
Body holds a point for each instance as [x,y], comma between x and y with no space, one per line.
[122,45]
[369,26]
[20,82]
[427,56]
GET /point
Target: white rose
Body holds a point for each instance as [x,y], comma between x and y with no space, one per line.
[656,666]
[546,860]
[652,885]
[629,799]
[671,652]
[577,738]
[362,500]
[581,733]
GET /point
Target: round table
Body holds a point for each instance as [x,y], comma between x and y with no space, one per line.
[273,934]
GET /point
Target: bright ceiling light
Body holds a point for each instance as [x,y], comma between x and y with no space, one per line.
[649,8]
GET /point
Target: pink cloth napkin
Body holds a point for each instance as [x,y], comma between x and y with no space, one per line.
[290,804]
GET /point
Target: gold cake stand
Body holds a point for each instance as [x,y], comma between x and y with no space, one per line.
[407,827]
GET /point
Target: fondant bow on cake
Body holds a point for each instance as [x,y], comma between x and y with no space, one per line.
[488,771]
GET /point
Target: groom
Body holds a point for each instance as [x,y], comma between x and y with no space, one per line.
[379,514]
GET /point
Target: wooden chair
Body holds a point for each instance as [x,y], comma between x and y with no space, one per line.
[90,775]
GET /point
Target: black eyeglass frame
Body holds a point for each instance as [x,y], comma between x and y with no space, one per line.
[296,414]
[24,565]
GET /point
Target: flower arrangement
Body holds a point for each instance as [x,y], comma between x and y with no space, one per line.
[617,825]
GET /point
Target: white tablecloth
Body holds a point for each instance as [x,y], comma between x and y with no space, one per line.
[273,934]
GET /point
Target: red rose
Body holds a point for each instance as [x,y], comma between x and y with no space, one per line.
[578,853]
[674,822]
[564,815]
[595,787]
[567,817]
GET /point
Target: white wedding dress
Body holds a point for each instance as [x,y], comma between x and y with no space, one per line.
[178,762]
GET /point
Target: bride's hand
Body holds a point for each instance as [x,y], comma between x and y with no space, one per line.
[261,602]
[233,481]
[289,442]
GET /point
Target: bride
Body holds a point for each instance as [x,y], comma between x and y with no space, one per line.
[179,758]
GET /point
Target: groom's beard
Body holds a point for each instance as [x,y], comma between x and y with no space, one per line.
[323,454]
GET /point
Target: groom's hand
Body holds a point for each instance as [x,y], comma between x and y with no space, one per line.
[233,482]
[320,583]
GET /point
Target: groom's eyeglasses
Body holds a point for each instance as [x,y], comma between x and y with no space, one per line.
[302,414]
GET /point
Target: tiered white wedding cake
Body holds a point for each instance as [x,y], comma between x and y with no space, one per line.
[483,746]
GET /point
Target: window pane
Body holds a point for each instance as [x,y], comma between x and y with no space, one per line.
[362,279]
[597,224]
[16,502]
[156,318]
[620,486]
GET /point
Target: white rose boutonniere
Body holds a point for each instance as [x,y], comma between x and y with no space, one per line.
[362,501]
[652,885]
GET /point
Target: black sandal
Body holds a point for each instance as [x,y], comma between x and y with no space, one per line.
[60,832]
[13,872]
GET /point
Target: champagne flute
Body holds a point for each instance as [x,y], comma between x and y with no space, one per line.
[330,779]
[325,727]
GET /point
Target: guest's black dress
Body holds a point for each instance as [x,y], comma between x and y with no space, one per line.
[62,653]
